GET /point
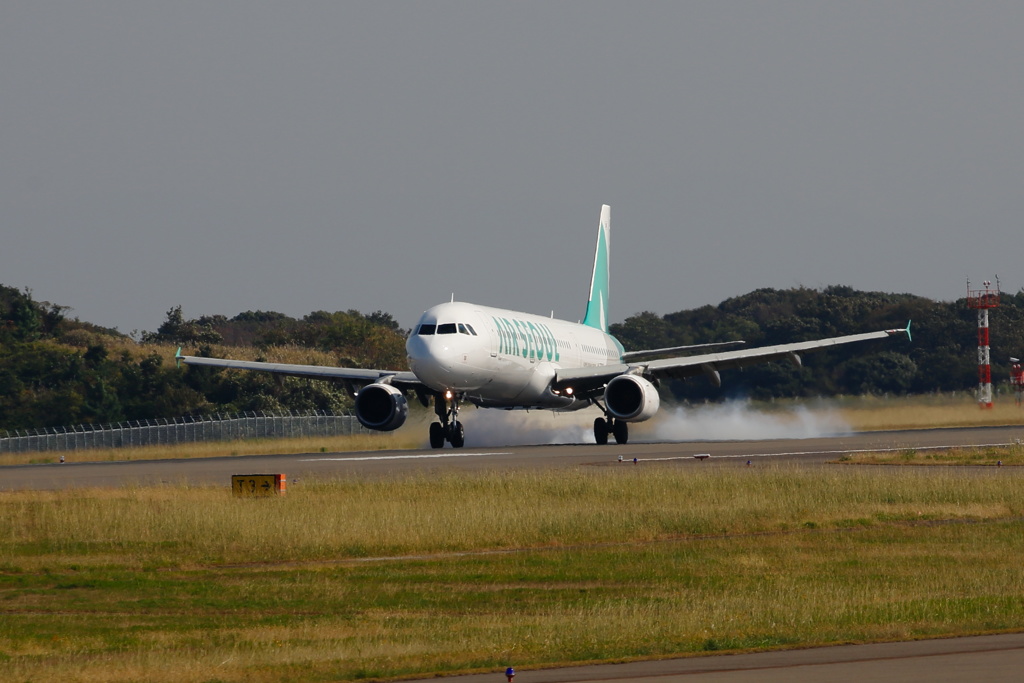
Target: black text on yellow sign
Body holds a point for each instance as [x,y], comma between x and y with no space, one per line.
[258,484]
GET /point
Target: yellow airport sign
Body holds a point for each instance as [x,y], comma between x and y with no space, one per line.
[258,484]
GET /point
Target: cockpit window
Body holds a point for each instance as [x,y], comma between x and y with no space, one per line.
[448,328]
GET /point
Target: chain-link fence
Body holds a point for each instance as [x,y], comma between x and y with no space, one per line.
[181,430]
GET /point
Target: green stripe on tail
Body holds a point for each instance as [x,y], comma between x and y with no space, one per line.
[597,306]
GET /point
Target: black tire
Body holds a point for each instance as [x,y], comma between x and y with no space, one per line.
[436,435]
[600,431]
[621,431]
[456,435]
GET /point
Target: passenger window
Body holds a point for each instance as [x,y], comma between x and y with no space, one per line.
[447,328]
[427,329]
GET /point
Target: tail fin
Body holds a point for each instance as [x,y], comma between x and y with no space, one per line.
[597,306]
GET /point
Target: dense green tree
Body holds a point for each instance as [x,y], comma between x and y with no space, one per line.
[879,373]
[176,330]
[55,371]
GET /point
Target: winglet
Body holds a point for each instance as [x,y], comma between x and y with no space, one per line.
[905,330]
[177,358]
[597,306]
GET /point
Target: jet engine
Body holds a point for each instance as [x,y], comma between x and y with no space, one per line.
[381,407]
[631,398]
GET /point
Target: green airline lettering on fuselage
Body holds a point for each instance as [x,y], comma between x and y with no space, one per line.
[553,348]
[526,342]
[538,341]
[534,338]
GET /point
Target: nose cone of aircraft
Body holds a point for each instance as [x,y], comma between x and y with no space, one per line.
[445,350]
[436,359]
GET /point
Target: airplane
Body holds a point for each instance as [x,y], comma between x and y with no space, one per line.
[461,352]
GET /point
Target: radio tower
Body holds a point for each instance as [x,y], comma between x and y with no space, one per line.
[982,300]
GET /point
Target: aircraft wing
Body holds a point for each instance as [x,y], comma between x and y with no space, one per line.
[632,355]
[584,380]
[357,375]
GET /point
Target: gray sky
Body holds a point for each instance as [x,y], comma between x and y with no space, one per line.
[299,156]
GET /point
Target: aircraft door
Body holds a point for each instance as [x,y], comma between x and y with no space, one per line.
[491,334]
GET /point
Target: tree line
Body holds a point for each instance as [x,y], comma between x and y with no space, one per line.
[55,370]
[942,356]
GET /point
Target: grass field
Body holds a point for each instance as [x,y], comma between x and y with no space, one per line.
[351,579]
[872,413]
[214,449]
[992,456]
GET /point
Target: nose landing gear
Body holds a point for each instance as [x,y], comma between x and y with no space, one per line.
[449,428]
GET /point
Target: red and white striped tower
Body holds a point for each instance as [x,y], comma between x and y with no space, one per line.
[983,300]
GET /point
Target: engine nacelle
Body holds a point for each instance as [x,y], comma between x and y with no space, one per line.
[631,398]
[381,407]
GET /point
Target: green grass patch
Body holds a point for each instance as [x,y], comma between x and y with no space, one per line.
[183,584]
[407,437]
[993,456]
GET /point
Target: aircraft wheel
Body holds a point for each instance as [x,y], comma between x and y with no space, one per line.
[600,431]
[436,435]
[621,431]
[457,435]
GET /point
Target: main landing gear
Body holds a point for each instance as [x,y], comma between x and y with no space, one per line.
[608,425]
[449,428]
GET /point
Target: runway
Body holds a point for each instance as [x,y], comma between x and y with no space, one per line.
[218,471]
[994,658]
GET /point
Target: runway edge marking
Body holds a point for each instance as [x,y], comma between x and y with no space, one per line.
[407,457]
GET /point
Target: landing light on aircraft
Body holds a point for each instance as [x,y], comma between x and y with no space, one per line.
[568,391]
[448,394]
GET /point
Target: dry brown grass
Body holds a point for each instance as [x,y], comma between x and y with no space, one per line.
[289,353]
[403,439]
[118,346]
[179,584]
[871,413]
[349,518]
[986,456]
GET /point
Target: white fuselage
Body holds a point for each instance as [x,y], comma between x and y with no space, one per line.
[503,359]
